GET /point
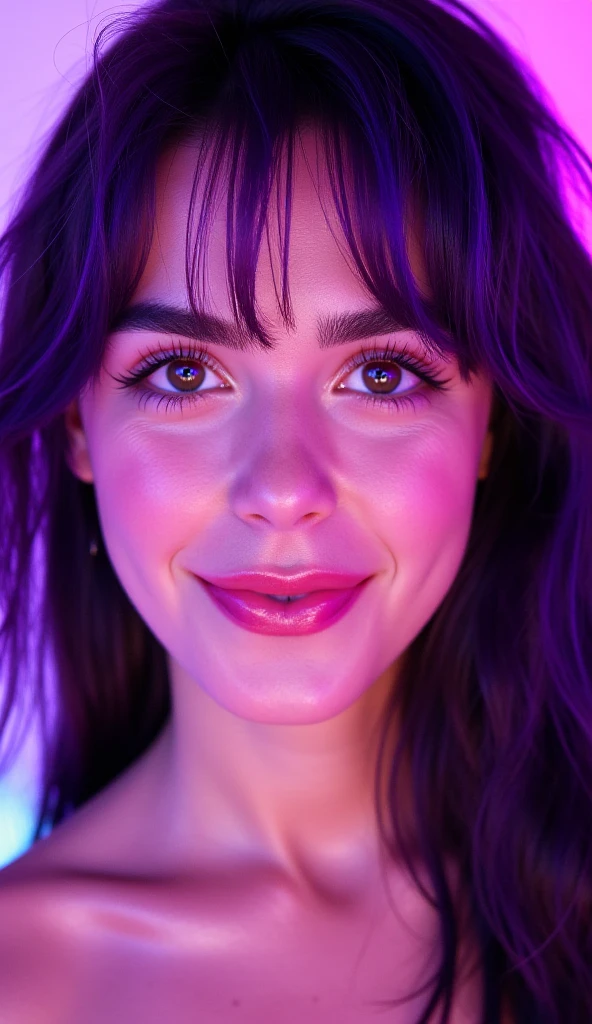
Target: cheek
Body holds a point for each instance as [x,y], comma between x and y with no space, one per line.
[438,496]
[437,526]
[417,495]
[156,489]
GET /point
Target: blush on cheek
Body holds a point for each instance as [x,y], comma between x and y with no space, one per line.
[433,518]
[155,496]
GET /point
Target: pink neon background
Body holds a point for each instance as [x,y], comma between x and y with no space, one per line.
[44,51]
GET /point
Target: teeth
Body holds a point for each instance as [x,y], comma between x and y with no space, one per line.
[276,597]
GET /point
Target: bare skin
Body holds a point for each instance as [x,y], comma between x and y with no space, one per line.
[235,871]
[96,933]
[92,929]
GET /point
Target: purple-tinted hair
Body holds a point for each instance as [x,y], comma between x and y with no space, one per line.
[417,105]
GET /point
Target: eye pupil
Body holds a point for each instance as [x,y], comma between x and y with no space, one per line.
[381,376]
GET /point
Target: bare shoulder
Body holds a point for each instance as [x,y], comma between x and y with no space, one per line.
[37,951]
[47,926]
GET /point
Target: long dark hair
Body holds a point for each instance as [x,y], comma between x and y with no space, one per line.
[415,101]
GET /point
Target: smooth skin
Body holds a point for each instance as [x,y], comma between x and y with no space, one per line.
[258,793]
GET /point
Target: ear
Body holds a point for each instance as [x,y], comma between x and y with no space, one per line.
[77,457]
[485,455]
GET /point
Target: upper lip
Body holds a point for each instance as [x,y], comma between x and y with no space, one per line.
[286,584]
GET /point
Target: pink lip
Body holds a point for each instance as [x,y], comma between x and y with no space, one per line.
[272,581]
[260,614]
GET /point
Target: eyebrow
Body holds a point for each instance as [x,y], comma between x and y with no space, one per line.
[332,329]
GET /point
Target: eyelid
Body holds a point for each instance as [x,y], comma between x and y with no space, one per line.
[388,352]
[153,359]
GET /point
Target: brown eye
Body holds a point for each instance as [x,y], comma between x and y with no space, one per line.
[184,376]
[382,376]
[180,374]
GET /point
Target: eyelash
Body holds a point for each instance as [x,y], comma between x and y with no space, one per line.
[152,361]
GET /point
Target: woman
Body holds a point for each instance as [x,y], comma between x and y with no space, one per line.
[311,522]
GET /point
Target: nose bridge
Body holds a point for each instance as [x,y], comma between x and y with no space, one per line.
[283,475]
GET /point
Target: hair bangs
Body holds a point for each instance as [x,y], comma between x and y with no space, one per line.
[378,180]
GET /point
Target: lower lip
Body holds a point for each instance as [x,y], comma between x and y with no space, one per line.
[261,614]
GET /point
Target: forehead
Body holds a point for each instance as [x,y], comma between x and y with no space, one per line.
[319,262]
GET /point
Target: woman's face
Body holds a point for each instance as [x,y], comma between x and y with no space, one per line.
[280,467]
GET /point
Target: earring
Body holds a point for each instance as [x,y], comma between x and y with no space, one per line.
[93,547]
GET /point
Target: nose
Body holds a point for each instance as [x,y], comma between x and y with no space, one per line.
[282,483]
